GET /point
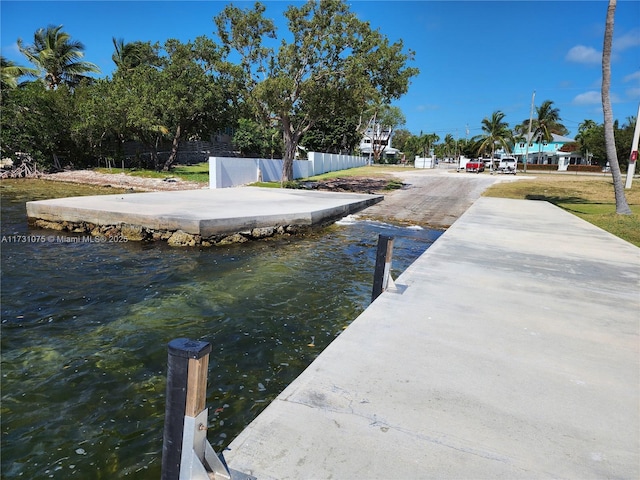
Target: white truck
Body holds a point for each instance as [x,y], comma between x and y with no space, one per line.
[507,165]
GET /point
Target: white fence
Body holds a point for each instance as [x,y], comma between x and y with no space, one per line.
[230,171]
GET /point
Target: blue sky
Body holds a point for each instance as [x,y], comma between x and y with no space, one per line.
[474,57]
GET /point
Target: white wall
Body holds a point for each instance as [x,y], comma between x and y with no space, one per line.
[229,171]
[422,162]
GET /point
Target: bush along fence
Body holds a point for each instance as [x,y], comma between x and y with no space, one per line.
[227,172]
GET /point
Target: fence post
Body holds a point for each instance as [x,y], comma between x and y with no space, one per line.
[186,453]
[382,274]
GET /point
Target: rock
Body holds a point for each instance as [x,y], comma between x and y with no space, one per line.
[235,238]
[133,232]
[262,232]
[181,239]
[49,225]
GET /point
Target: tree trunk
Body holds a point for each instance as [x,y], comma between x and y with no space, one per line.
[174,150]
[291,138]
[622,207]
[290,146]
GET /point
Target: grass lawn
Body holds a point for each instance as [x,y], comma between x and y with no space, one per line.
[589,197]
[191,173]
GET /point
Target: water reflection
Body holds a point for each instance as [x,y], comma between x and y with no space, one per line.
[85,328]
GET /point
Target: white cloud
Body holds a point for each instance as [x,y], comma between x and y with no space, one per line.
[587,98]
[633,93]
[425,108]
[628,40]
[582,54]
[593,97]
[632,76]
[11,50]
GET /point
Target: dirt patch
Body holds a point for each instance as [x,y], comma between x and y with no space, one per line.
[354,184]
[121,180]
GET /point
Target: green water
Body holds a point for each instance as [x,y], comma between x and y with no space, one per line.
[85,328]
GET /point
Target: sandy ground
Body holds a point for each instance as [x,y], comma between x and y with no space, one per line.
[121,180]
[429,198]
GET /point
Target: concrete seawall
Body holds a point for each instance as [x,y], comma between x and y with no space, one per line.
[512,351]
[208,216]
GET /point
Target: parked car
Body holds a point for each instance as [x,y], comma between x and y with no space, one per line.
[476,166]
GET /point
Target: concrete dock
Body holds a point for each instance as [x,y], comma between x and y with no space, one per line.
[204,212]
[510,350]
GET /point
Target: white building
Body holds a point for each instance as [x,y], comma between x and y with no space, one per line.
[378,139]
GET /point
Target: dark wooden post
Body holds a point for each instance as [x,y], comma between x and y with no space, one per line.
[186,396]
[383,265]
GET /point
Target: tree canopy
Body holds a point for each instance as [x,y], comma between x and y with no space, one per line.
[333,63]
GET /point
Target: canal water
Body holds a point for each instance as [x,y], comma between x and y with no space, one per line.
[85,328]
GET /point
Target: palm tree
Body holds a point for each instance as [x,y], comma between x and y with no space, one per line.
[449,145]
[546,123]
[57,58]
[10,73]
[496,132]
[426,142]
[622,207]
[128,56]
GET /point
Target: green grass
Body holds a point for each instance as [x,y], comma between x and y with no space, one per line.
[191,173]
[590,198]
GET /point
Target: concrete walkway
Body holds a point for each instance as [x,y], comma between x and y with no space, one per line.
[204,212]
[512,352]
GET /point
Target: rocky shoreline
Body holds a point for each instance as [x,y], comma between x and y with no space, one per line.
[176,238]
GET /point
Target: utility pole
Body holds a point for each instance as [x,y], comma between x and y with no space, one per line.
[631,168]
[528,139]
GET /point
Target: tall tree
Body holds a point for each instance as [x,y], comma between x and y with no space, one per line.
[495,132]
[331,59]
[622,207]
[57,57]
[545,124]
[584,130]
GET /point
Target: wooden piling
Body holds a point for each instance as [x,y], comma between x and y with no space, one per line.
[187,365]
[382,270]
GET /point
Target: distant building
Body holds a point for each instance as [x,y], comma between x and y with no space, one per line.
[378,139]
[549,153]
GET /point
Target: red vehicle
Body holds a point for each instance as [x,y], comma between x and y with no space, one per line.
[476,166]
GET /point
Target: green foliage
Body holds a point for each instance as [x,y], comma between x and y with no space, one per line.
[332,65]
[10,73]
[57,57]
[253,139]
[332,135]
[35,123]
[591,140]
